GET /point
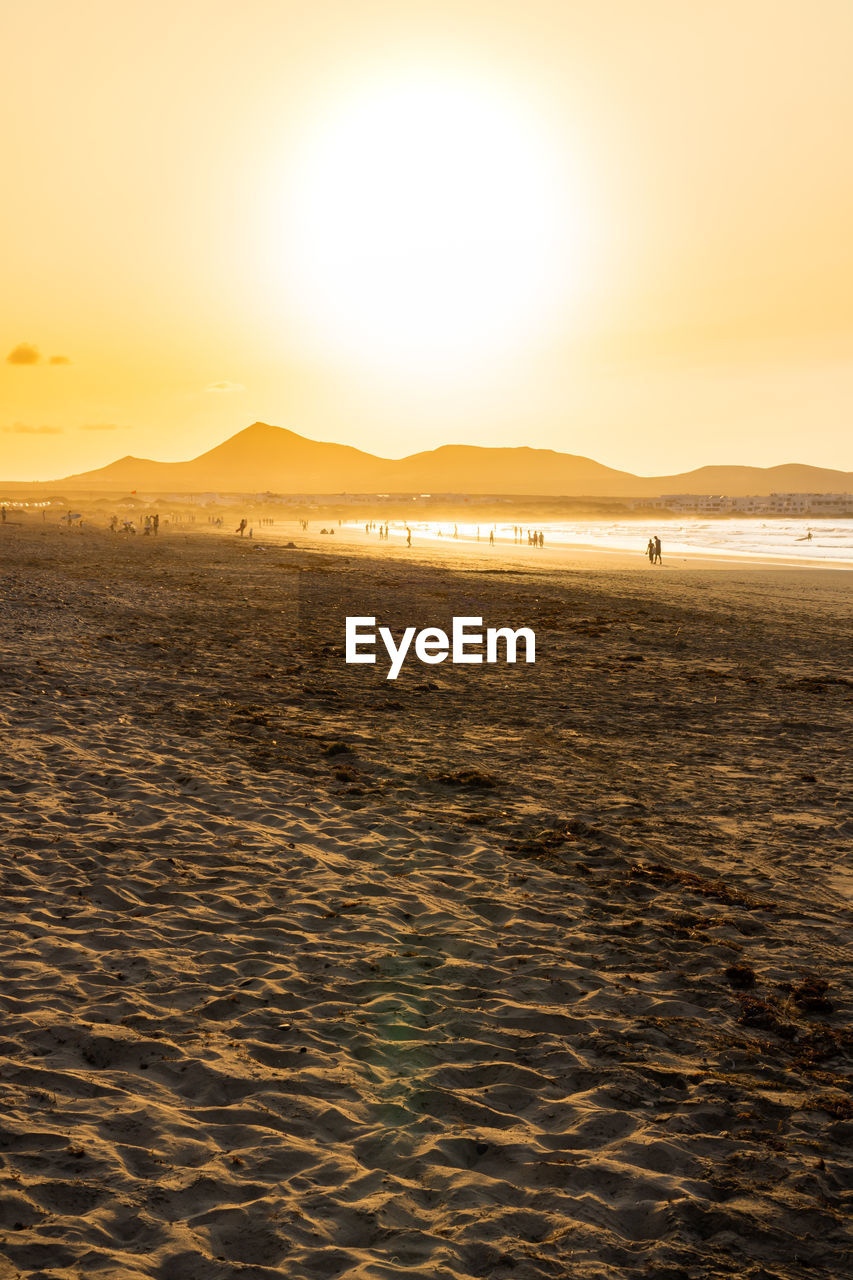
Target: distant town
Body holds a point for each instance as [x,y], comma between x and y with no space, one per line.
[773,504]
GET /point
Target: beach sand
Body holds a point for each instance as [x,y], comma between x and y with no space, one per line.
[513,971]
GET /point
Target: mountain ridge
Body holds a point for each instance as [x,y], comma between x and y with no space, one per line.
[265,458]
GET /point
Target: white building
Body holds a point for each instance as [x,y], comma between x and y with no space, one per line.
[804,504]
[695,503]
[752,504]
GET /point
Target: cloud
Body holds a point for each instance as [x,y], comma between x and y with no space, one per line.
[105,426]
[28,353]
[24,353]
[225,386]
[24,429]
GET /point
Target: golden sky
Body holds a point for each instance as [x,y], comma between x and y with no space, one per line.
[607,227]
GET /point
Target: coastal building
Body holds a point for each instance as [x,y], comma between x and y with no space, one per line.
[751,504]
[696,503]
[812,504]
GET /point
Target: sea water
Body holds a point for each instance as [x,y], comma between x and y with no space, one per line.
[770,538]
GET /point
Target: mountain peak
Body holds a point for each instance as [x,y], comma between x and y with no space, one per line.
[259,430]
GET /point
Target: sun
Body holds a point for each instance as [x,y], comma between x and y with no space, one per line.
[429,226]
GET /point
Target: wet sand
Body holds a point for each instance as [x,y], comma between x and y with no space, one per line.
[524,972]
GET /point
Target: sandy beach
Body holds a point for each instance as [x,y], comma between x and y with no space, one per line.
[517,971]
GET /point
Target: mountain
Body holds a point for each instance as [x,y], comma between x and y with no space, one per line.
[263,458]
[255,460]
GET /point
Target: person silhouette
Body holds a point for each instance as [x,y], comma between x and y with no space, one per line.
[658,558]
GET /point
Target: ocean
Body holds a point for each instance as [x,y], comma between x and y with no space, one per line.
[831,541]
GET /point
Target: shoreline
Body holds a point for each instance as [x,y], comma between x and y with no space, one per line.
[554,557]
[556,554]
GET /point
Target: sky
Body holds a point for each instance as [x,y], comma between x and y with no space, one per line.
[614,229]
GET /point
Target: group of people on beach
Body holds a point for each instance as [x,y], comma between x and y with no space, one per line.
[535,537]
[653,551]
[150,525]
[384,530]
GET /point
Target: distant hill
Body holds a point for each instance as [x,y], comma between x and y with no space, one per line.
[263,458]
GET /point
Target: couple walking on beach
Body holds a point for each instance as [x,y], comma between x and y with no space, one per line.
[653,551]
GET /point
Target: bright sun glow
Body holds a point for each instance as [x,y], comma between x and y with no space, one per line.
[430,227]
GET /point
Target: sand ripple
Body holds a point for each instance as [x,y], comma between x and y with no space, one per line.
[250,1030]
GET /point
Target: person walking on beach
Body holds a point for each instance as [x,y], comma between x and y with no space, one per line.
[408,536]
[241,527]
[650,551]
[491,537]
[541,538]
[658,558]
